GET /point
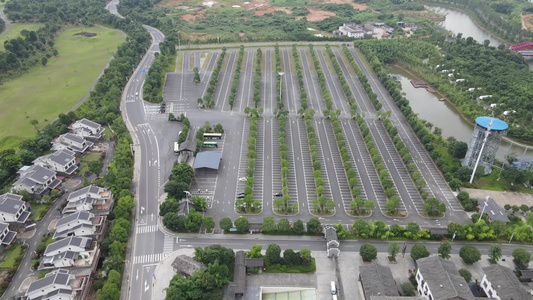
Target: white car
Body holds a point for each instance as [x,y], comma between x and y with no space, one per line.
[242,178]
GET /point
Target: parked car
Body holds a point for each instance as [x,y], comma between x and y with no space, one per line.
[241,195]
[280,194]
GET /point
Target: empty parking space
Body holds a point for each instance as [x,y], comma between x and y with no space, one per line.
[307,164]
[243,159]
[259,161]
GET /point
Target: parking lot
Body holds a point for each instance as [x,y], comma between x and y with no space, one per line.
[224,185]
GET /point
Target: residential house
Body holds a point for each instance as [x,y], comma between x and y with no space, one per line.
[501,283]
[62,161]
[36,180]
[13,209]
[377,280]
[71,142]
[87,129]
[354,30]
[76,252]
[410,26]
[80,224]
[6,236]
[332,241]
[439,279]
[186,265]
[58,285]
[91,198]
[493,210]
[388,29]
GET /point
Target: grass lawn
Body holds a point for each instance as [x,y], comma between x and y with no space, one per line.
[84,161]
[45,92]
[15,29]
[38,210]
[277,268]
[9,260]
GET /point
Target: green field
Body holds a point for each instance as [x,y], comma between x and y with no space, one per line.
[15,29]
[45,92]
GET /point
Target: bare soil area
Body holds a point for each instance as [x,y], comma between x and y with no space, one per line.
[359,6]
[526,21]
[316,15]
[189,17]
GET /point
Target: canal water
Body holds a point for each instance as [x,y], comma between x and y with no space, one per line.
[443,114]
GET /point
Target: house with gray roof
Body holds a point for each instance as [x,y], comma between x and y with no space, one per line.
[75,252]
[90,198]
[13,209]
[186,265]
[59,284]
[439,279]
[501,283]
[492,210]
[71,142]
[87,129]
[62,161]
[36,180]
[80,224]
[207,160]
[6,236]
[332,241]
[377,280]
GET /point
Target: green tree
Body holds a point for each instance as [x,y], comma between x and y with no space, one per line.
[169,205]
[298,227]
[465,274]
[368,252]
[255,252]
[225,223]
[445,249]
[419,251]
[305,255]
[314,226]
[393,204]
[193,220]
[394,248]
[241,224]
[291,258]
[200,203]
[284,226]
[469,254]
[208,224]
[521,256]
[408,289]
[495,253]
[272,255]
[269,225]
[95,166]
[434,207]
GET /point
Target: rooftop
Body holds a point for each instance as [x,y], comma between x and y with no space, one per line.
[186,265]
[82,215]
[207,159]
[57,277]
[10,203]
[72,241]
[505,283]
[443,278]
[497,124]
[377,280]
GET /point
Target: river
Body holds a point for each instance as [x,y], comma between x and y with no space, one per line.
[443,114]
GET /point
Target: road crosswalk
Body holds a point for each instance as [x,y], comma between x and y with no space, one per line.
[149,258]
[168,244]
[146,229]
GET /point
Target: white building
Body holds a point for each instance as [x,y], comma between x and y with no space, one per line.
[90,198]
[36,180]
[71,142]
[80,224]
[58,285]
[501,283]
[87,129]
[6,236]
[13,209]
[63,161]
[438,279]
[70,252]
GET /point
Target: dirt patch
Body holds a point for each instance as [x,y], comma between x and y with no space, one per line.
[188,17]
[359,6]
[316,15]
[86,34]
[197,36]
[526,21]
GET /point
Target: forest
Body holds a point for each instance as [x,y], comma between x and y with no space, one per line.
[497,71]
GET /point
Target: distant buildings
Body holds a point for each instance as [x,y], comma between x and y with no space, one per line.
[354,30]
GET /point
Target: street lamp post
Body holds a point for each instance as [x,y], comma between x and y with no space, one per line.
[483,210]
[512,235]
[188,194]
[453,237]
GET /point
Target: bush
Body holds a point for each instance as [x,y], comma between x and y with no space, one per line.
[368,252]
[521,256]
[408,289]
[465,274]
[419,251]
[469,254]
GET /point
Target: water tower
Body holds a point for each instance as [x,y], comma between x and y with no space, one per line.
[484,143]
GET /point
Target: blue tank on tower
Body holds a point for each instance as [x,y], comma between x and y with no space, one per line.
[485,142]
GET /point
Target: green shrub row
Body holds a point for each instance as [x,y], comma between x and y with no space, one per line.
[393,202]
[321,79]
[283,203]
[303,93]
[362,78]
[248,204]
[236,78]
[153,86]
[342,80]
[257,78]
[208,97]
[278,77]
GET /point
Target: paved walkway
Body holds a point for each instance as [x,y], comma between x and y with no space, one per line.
[502,198]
